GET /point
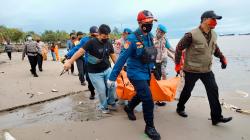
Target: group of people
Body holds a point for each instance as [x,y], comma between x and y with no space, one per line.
[143,54]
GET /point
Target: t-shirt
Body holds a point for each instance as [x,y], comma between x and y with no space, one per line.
[95,48]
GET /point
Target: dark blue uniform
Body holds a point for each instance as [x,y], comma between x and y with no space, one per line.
[138,73]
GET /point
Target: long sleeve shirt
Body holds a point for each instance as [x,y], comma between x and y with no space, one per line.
[186,41]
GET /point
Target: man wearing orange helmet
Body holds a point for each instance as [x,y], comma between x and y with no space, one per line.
[140,54]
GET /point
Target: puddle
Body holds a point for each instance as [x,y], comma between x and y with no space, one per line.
[71,108]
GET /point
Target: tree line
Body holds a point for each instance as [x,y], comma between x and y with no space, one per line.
[16,35]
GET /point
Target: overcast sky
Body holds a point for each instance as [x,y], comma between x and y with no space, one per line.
[178,15]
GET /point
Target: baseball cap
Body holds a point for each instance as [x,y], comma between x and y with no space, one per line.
[210,14]
[93,30]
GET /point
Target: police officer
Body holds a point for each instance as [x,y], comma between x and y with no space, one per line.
[8,49]
[120,42]
[164,50]
[31,50]
[138,70]
[199,45]
[93,31]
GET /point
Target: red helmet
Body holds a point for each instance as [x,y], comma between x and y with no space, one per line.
[145,16]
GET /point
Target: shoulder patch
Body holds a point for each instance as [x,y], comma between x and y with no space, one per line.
[126,45]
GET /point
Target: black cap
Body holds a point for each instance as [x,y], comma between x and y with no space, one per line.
[93,30]
[210,14]
[79,33]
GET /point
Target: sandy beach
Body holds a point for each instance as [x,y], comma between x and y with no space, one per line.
[29,110]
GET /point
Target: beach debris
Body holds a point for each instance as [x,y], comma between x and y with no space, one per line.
[31,95]
[47,132]
[44,113]
[54,90]
[80,102]
[235,109]
[8,136]
[243,93]
[40,93]
[1,71]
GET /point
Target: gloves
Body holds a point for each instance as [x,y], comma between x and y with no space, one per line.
[223,61]
[177,68]
[111,84]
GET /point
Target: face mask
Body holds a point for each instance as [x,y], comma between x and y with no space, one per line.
[146,28]
[212,23]
[93,35]
[80,38]
[104,40]
[38,41]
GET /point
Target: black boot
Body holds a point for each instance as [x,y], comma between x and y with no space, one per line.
[130,113]
[221,120]
[35,74]
[152,133]
[160,103]
[182,113]
[92,95]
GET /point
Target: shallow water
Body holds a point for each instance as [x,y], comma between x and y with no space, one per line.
[236,77]
[72,108]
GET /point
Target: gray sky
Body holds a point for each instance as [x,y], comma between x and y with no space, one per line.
[178,15]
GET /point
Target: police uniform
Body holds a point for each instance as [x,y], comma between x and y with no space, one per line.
[138,73]
[31,50]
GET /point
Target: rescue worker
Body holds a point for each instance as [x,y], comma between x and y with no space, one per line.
[199,45]
[99,68]
[164,50]
[41,46]
[93,31]
[31,50]
[140,55]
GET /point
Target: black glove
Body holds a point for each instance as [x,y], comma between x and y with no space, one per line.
[223,61]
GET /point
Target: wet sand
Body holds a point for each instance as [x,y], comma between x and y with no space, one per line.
[75,117]
[117,126]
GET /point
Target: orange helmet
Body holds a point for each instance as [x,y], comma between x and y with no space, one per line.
[145,16]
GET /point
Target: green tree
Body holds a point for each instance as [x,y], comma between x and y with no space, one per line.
[16,35]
